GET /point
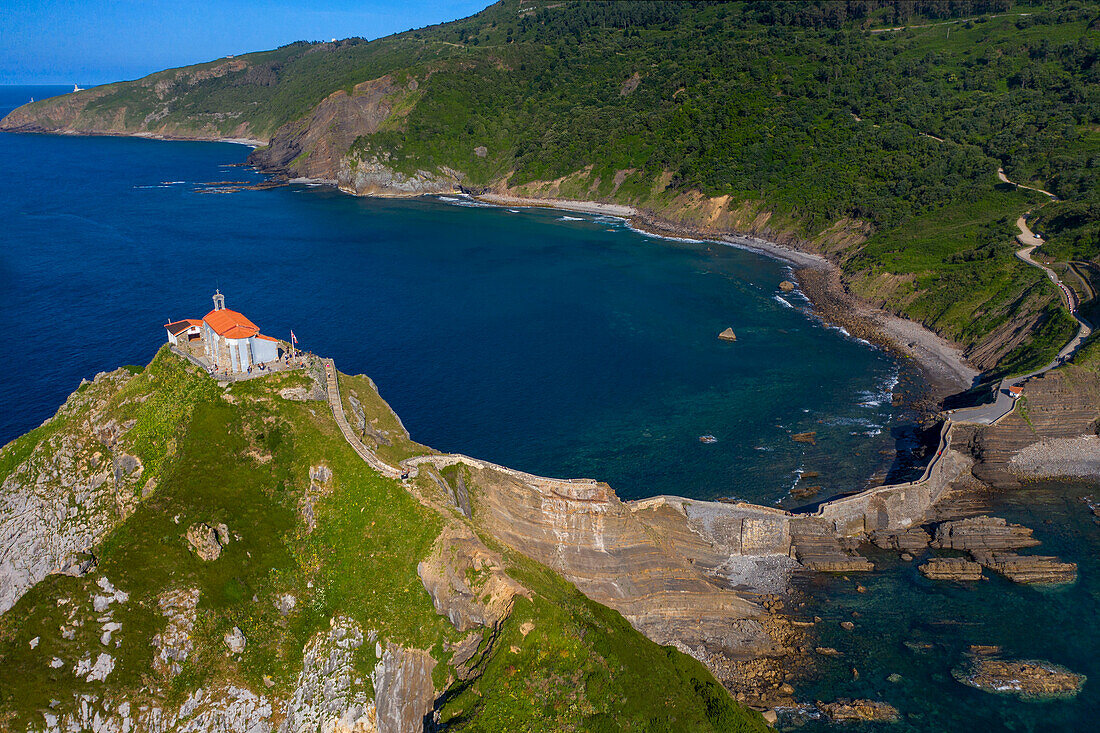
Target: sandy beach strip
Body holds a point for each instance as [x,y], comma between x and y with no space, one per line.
[587,207]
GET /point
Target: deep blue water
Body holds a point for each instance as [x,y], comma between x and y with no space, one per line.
[562,344]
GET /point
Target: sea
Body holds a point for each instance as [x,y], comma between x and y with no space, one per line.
[560,343]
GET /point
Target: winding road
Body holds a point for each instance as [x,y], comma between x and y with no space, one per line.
[1004,402]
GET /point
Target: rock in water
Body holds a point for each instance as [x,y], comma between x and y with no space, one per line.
[728,335]
[843,711]
[1027,679]
[786,286]
[951,568]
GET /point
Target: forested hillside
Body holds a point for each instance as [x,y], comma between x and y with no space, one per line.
[858,128]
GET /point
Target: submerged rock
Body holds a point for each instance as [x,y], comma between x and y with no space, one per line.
[1027,679]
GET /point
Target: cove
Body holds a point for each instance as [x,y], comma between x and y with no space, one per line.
[557,343]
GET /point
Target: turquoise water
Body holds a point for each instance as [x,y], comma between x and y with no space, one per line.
[1060,624]
[558,343]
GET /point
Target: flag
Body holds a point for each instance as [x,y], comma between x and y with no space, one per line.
[293,338]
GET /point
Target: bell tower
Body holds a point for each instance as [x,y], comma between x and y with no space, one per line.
[219,301]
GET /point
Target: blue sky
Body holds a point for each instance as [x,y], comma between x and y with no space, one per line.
[88,42]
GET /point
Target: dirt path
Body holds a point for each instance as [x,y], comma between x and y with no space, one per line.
[1005,179]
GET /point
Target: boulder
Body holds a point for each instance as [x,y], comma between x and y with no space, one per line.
[728,335]
[787,286]
[235,640]
[204,541]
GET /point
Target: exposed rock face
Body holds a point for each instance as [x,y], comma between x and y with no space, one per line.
[992,542]
[951,568]
[330,697]
[68,492]
[466,580]
[372,175]
[174,644]
[227,710]
[1032,569]
[314,146]
[676,591]
[1027,679]
[404,692]
[914,539]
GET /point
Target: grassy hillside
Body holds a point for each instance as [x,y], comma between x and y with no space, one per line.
[822,122]
[243,457]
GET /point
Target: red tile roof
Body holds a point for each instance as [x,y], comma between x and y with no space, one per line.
[178,327]
[266,338]
[230,324]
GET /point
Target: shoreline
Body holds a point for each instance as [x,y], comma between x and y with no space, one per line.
[941,362]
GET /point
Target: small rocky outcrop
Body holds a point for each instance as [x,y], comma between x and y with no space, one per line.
[1025,678]
[992,542]
[1030,569]
[854,711]
[951,568]
[728,335]
[207,541]
[234,639]
[983,534]
[787,286]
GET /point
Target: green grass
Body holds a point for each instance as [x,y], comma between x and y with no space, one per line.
[955,270]
[581,666]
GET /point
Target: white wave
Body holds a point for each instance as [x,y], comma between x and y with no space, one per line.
[451,199]
[784,302]
[570,218]
[513,211]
